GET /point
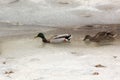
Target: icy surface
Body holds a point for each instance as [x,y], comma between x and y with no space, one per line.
[29,60]
[26,58]
[60,12]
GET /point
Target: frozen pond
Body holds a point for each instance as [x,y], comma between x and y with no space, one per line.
[25,58]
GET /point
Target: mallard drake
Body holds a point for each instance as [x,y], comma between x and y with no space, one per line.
[101,36]
[55,38]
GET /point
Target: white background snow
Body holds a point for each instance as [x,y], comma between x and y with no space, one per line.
[60,12]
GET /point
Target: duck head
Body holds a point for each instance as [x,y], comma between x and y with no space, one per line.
[87,37]
[41,35]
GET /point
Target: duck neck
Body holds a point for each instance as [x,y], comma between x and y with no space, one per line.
[90,38]
[45,40]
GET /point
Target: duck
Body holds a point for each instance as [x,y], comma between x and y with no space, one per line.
[55,39]
[101,36]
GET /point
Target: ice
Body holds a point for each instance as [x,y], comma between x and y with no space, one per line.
[32,61]
[26,58]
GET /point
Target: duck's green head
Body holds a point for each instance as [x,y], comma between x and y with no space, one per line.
[41,35]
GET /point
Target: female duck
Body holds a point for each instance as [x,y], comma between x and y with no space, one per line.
[101,36]
[55,39]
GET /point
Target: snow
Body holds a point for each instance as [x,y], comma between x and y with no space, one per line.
[57,12]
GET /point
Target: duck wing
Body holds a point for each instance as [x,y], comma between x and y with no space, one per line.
[100,34]
[104,36]
[66,36]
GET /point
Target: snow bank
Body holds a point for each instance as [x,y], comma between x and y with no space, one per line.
[59,12]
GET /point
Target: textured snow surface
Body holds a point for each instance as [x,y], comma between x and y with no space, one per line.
[60,12]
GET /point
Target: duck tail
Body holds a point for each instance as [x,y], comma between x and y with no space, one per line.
[115,35]
[68,37]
